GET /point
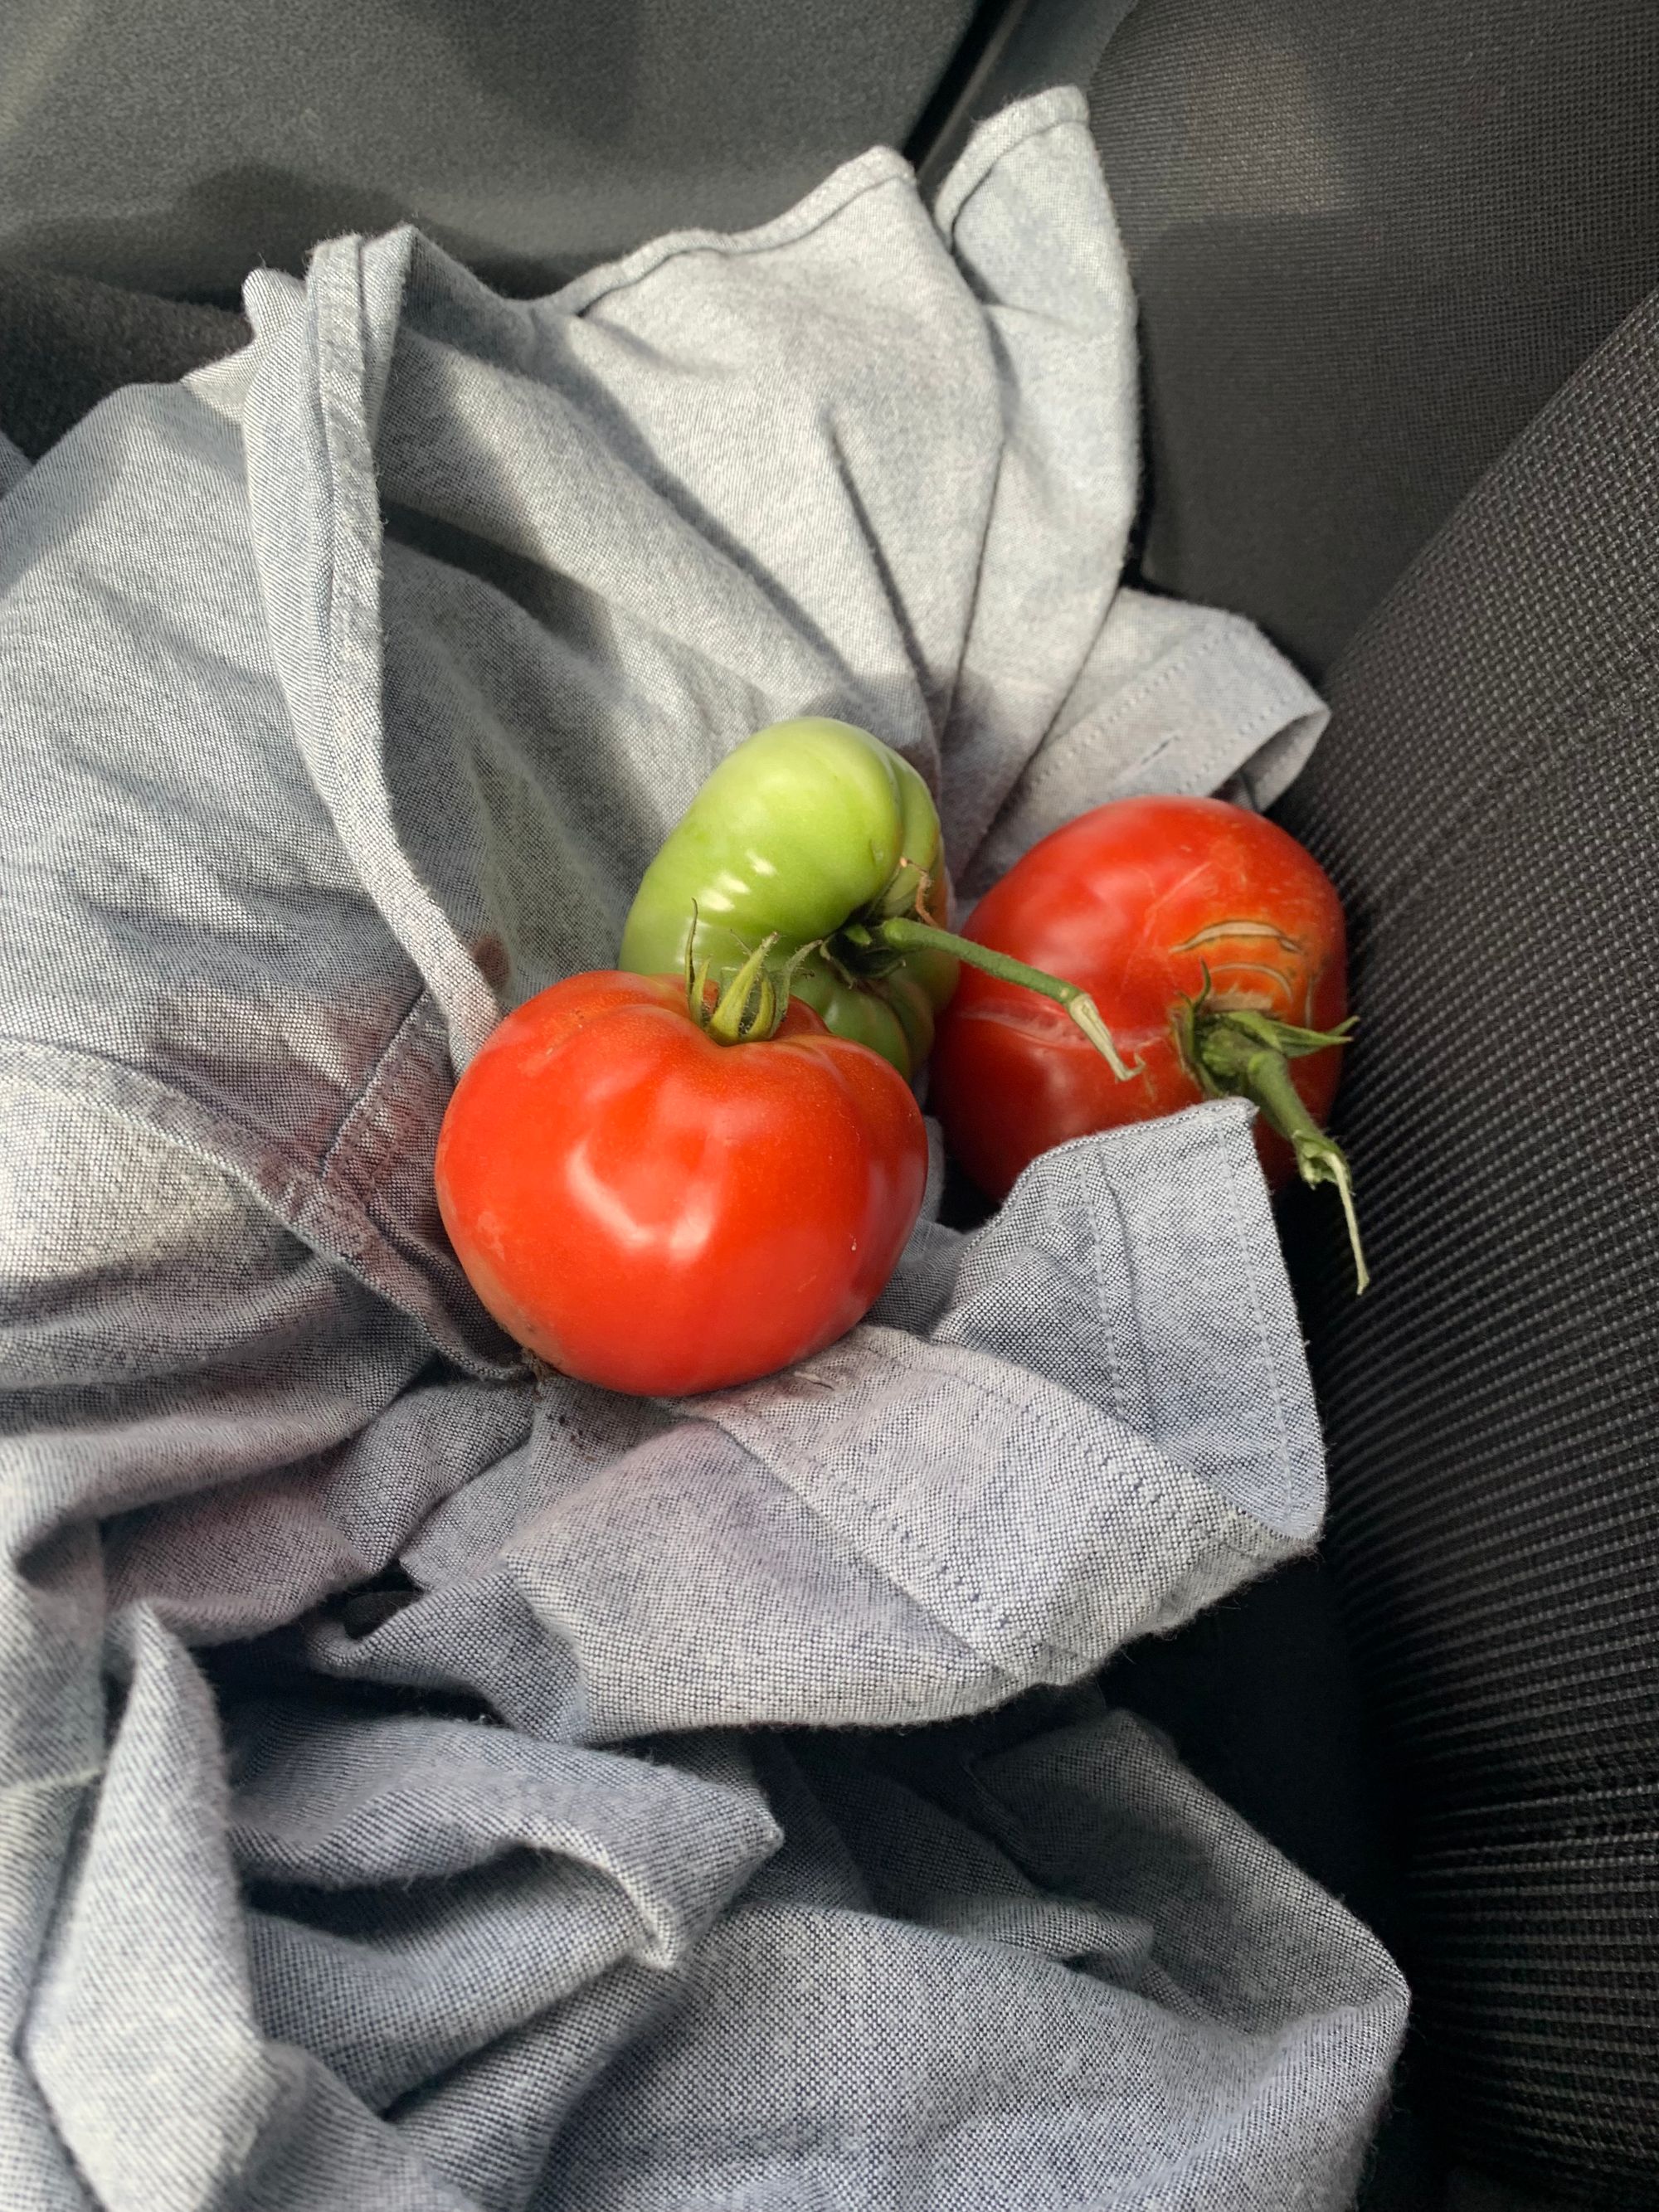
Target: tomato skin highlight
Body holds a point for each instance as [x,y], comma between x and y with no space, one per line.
[1136,901]
[649,1209]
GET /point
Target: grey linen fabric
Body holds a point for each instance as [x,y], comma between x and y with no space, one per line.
[346,691]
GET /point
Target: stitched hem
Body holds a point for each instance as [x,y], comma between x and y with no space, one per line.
[867,172]
[1231,1532]
[1026,118]
[1274,712]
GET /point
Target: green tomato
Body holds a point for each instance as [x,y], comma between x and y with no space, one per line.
[808,829]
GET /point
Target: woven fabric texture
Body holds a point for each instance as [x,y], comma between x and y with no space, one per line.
[1488,801]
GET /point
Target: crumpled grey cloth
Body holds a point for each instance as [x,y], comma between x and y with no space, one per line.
[346,692]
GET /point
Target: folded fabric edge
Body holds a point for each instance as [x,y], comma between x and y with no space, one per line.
[998,137]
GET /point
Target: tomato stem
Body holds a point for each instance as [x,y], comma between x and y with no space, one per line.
[752,1004]
[902,935]
[1236,1052]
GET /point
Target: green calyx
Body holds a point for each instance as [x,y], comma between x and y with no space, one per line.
[1235,1051]
[806,826]
[750,1007]
[814,839]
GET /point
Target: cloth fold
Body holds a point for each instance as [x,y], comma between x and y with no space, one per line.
[351,684]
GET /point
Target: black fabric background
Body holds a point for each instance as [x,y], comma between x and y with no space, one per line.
[171,145]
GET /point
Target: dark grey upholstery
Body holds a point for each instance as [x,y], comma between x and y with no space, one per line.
[170,145]
[1488,801]
[1368,243]
[65,344]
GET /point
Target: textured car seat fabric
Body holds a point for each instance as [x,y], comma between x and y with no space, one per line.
[1368,243]
[1488,800]
[172,145]
[1468,2192]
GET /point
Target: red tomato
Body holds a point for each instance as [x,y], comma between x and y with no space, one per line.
[652,1210]
[1135,901]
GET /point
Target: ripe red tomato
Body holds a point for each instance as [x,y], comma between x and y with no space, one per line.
[652,1209]
[1137,901]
